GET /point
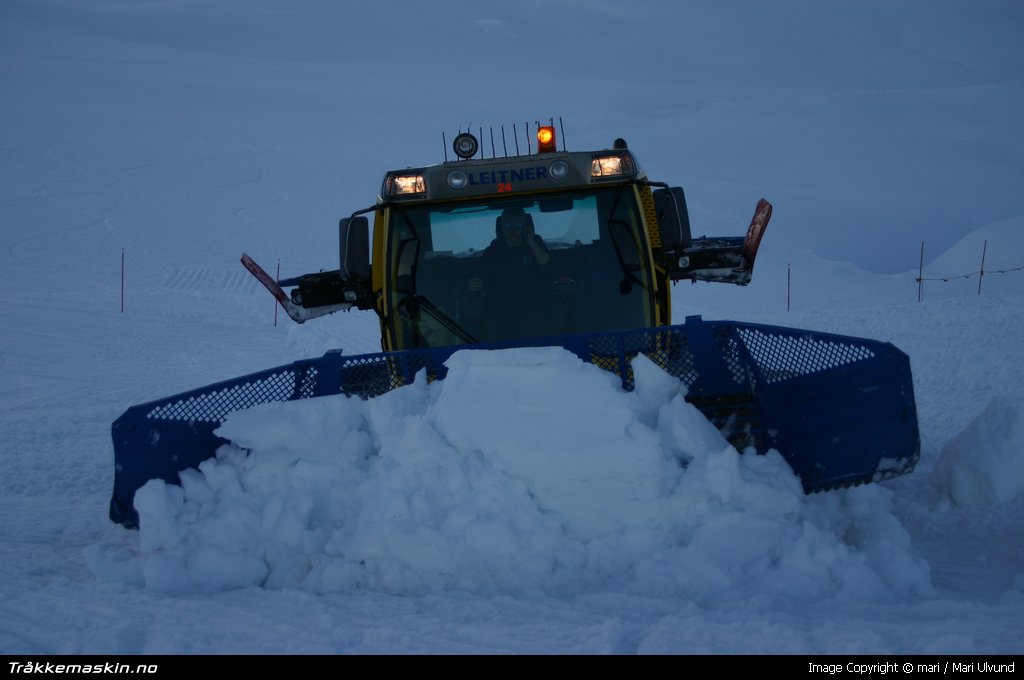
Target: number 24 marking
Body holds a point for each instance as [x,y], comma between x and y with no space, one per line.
[504,187]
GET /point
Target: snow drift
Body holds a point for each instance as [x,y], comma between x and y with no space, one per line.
[524,471]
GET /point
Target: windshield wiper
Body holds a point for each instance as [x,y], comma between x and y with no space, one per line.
[629,270]
[415,302]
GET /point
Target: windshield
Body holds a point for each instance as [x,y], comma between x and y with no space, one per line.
[463,273]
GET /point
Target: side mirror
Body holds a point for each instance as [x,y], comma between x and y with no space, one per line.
[354,248]
[673,219]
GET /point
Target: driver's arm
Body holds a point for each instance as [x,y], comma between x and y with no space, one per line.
[537,247]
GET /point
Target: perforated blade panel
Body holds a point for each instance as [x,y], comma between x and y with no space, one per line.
[214,406]
[783,354]
[840,409]
[363,376]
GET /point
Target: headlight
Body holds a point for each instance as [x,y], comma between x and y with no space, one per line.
[612,166]
[465,145]
[404,185]
[457,179]
[558,170]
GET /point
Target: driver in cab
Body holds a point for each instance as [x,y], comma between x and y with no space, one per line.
[511,273]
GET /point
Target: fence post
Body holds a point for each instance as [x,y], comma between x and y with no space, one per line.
[981,274]
[920,276]
[789,279]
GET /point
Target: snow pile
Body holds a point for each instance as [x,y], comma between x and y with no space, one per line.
[984,464]
[524,472]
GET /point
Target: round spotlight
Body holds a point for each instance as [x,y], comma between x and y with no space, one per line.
[465,145]
[457,179]
[558,170]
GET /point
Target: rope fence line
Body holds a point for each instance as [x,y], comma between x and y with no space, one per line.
[921,278]
[967,276]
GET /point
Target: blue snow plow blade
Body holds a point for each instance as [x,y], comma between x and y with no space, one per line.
[839,409]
